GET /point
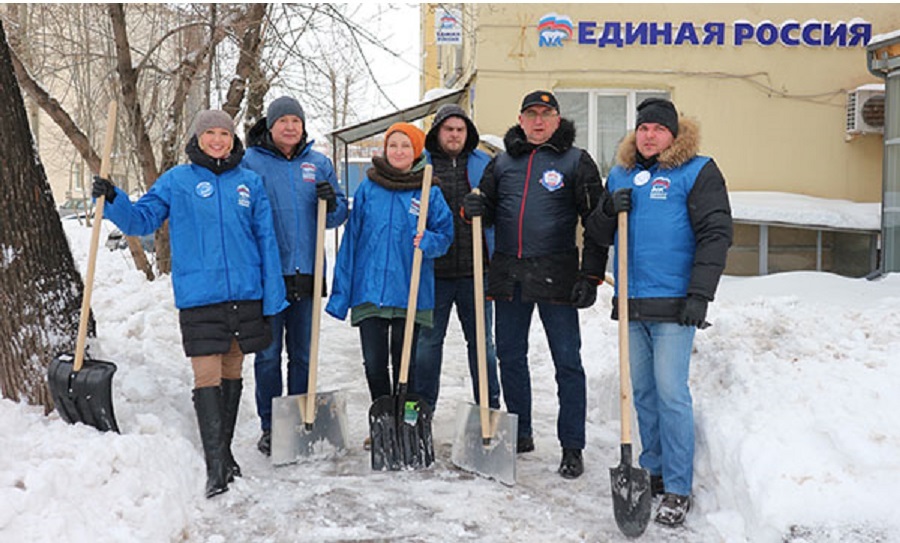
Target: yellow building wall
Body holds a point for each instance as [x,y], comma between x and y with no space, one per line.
[773,117]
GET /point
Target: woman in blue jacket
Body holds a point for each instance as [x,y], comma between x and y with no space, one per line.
[226,272]
[374,264]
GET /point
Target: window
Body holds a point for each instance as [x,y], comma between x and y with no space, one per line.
[602,117]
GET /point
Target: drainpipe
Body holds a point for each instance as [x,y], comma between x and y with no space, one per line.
[883,56]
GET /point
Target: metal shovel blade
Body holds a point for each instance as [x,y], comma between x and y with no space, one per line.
[400,428]
[292,439]
[85,395]
[495,459]
[631,495]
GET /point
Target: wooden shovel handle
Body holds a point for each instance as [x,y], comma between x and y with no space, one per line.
[318,279]
[624,365]
[412,303]
[95,239]
[480,333]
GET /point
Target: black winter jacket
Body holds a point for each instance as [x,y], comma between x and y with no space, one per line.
[535,196]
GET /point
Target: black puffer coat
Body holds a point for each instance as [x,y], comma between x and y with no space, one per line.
[535,196]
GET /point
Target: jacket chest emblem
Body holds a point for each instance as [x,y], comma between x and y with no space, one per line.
[308,170]
[243,196]
[641,178]
[414,206]
[204,189]
[552,180]
[659,188]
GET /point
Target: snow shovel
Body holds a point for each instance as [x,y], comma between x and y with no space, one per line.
[302,424]
[82,389]
[630,485]
[400,425]
[485,438]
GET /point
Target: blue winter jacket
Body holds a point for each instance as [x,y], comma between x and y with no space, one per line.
[222,240]
[679,226]
[374,263]
[291,186]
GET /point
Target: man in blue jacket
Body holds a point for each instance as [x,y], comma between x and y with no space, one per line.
[452,149]
[534,194]
[679,231]
[295,176]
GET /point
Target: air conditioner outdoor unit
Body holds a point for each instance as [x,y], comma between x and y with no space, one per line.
[865,110]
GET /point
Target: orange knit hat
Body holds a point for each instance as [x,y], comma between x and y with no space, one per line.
[416,136]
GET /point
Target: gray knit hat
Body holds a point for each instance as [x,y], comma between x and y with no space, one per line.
[212,118]
[281,107]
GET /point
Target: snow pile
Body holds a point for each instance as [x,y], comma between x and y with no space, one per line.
[794,392]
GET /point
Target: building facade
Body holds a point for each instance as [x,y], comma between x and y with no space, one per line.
[778,90]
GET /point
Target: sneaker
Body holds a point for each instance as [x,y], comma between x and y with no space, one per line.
[657,487]
[572,464]
[525,444]
[673,509]
[265,443]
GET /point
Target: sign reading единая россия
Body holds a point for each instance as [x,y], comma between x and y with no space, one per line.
[555,29]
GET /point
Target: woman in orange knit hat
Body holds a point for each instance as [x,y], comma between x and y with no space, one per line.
[374,264]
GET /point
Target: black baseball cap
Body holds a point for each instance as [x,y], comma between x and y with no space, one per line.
[539,98]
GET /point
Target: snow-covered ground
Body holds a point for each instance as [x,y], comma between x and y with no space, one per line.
[798,438]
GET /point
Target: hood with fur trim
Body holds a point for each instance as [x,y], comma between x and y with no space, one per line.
[685,147]
[517,144]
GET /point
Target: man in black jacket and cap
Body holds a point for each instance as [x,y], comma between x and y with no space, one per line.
[534,194]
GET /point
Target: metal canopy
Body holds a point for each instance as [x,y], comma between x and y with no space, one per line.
[363,130]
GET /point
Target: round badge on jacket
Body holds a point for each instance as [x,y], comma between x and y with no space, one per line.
[204,189]
[552,180]
[641,178]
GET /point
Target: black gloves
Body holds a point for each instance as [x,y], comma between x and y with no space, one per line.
[584,293]
[694,312]
[324,191]
[103,187]
[473,205]
[618,202]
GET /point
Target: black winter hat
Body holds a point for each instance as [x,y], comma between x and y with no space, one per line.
[659,111]
[449,110]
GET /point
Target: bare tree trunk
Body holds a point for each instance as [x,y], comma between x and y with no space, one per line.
[52,108]
[128,80]
[249,60]
[40,287]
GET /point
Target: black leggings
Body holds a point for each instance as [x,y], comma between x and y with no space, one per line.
[382,343]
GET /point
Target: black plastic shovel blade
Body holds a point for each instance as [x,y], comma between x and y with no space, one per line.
[631,495]
[400,428]
[83,396]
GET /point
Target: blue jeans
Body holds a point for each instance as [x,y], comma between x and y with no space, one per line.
[382,345]
[431,341]
[660,354]
[564,337]
[290,327]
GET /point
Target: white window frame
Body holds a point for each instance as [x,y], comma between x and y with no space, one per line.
[630,108]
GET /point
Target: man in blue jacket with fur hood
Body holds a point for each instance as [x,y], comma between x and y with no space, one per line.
[295,177]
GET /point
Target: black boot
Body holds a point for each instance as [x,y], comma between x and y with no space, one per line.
[231,400]
[208,404]
[572,464]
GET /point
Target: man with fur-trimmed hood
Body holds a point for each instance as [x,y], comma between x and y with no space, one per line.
[679,231]
[534,194]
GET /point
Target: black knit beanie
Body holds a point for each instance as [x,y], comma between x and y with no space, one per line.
[659,111]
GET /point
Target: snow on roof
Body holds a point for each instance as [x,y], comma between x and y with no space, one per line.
[783,207]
